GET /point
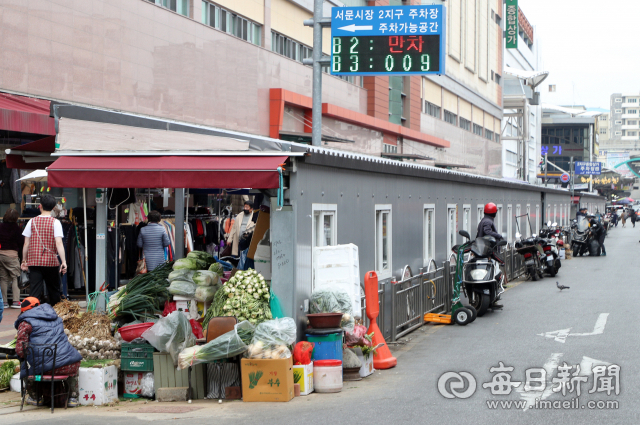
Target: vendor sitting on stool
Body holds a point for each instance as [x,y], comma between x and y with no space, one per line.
[39,324]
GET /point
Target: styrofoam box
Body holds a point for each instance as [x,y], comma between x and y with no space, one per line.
[338,265]
[98,386]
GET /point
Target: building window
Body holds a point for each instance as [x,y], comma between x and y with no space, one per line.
[383,241]
[518,221]
[465,124]
[602,117]
[618,122]
[429,248]
[450,117]
[527,224]
[466,218]
[631,133]
[618,99]
[431,109]
[632,100]
[178,6]
[386,148]
[618,133]
[497,138]
[498,222]
[477,129]
[603,131]
[289,48]
[537,219]
[632,122]
[497,78]
[488,134]
[618,111]
[511,158]
[451,226]
[509,222]
[632,111]
[324,225]
[229,22]
[480,213]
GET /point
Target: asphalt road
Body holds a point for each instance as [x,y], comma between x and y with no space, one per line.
[603,288]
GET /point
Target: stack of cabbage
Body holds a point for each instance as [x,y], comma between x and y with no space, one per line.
[190,277]
[245,296]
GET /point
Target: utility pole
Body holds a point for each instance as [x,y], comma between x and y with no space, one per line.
[317,61]
[590,156]
[571,175]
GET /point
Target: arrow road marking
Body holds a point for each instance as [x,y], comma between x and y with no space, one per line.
[354,28]
[562,334]
[531,396]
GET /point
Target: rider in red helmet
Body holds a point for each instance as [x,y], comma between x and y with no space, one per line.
[486,226]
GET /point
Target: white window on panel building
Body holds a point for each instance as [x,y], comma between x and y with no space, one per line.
[480,213]
[519,220]
[451,227]
[384,240]
[429,238]
[538,218]
[466,218]
[325,231]
[498,222]
[509,223]
[528,221]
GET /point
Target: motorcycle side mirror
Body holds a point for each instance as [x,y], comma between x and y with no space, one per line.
[554,224]
[464,234]
[548,224]
[518,235]
[502,243]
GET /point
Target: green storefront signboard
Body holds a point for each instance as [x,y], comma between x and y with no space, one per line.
[511,34]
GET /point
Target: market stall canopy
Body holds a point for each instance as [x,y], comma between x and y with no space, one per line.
[216,172]
[32,155]
[35,176]
[25,115]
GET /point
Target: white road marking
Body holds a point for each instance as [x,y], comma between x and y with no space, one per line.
[562,334]
[530,396]
[587,364]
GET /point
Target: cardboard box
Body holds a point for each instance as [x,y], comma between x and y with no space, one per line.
[272,379]
[367,363]
[98,386]
[306,381]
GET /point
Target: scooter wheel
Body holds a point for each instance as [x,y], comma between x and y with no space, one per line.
[474,312]
[462,316]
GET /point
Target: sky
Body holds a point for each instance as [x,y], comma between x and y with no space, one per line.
[590,48]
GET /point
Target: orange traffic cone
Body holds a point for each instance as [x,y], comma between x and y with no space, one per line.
[383,358]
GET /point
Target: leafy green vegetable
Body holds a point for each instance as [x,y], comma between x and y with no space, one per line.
[186,263]
[6,372]
[217,269]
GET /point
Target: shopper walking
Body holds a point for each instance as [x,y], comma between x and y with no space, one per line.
[242,231]
[623,218]
[11,241]
[42,246]
[633,217]
[153,239]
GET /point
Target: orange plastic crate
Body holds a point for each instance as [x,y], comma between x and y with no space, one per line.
[438,318]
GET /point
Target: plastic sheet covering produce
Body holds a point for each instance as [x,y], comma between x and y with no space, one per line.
[182,287]
[231,344]
[205,278]
[182,274]
[146,384]
[172,334]
[205,294]
[271,339]
[333,300]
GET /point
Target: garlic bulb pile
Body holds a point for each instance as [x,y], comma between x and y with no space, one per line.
[95,349]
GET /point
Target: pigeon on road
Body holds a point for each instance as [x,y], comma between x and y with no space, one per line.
[561,287]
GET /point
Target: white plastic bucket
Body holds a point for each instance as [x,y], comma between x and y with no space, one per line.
[327,376]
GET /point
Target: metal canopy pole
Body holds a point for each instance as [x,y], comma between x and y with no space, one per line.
[86,245]
[179,247]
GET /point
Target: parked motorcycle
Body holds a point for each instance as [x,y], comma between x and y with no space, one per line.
[482,279]
[548,242]
[532,254]
[583,240]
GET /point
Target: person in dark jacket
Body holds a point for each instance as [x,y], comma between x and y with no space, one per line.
[486,227]
[599,231]
[38,324]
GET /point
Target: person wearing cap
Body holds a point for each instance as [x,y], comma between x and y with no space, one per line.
[582,212]
[38,324]
[42,246]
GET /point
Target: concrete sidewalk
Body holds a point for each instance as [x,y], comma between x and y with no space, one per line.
[7,331]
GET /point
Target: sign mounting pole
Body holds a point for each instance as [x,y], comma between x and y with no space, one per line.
[317,60]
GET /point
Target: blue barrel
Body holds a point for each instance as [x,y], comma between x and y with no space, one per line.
[327,346]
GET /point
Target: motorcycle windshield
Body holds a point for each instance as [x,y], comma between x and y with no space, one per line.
[482,247]
[583,224]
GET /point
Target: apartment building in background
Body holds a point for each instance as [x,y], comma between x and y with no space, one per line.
[237,66]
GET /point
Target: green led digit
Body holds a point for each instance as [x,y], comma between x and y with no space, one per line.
[406,63]
[354,41]
[354,63]
[337,64]
[388,63]
[337,45]
[424,60]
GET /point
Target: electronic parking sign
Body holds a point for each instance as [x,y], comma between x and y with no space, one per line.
[388,40]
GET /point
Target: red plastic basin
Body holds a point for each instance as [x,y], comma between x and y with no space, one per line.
[131,332]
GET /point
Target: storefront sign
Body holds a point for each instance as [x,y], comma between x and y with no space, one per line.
[511,34]
[387,40]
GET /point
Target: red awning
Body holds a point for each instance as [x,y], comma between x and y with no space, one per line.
[211,172]
[25,115]
[46,145]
